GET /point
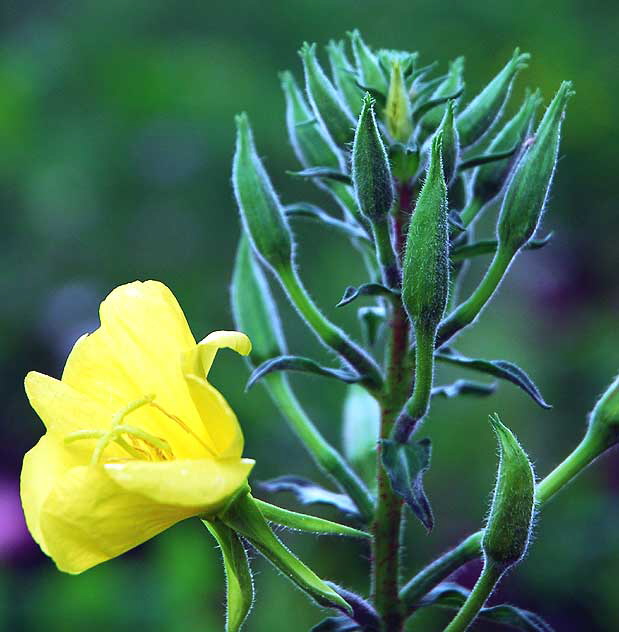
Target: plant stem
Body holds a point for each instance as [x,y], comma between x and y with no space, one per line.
[468,311]
[470,211]
[387,523]
[490,576]
[583,455]
[328,459]
[331,335]
[385,254]
[417,405]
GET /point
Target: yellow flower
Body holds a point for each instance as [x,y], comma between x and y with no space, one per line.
[137,439]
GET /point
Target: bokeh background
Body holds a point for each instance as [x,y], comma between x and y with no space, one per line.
[116,136]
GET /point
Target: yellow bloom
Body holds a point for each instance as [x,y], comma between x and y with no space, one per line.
[137,439]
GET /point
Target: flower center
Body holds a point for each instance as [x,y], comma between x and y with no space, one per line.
[137,442]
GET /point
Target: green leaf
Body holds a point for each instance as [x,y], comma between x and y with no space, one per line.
[430,104]
[244,517]
[322,172]
[304,522]
[499,368]
[309,493]
[239,584]
[464,387]
[367,289]
[484,159]
[336,624]
[303,365]
[405,464]
[489,246]
[305,210]
[452,596]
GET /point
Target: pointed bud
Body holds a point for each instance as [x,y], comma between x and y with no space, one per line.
[508,530]
[476,120]
[253,307]
[604,419]
[489,179]
[452,83]
[425,276]
[328,107]
[262,215]
[528,188]
[312,147]
[398,109]
[371,174]
[345,76]
[370,72]
[451,143]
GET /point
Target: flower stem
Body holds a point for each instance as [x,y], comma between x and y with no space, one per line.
[385,253]
[470,211]
[489,578]
[468,311]
[331,335]
[328,459]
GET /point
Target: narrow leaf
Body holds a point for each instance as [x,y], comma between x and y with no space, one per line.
[464,387]
[484,159]
[322,172]
[455,221]
[336,624]
[430,104]
[304,210]
[303,365]
[452,596]
[239,584]
[309,493]
[367,289]
[405,464]
[499,368]
[363,612]
[489,246]
[304,522]
[377,95]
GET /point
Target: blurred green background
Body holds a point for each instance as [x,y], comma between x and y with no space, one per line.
[116,136]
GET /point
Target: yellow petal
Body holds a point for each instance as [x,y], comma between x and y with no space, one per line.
[201,363]
[205,483]
[43,466]
[88,518]
[218,418]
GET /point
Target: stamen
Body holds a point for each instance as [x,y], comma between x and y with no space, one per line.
[183,425]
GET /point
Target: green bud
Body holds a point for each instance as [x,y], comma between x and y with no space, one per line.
[371,74]
[476,120]
[604,419]
[262,215]
[508,530]
[312,147]
[451,143]
[489,179]
[253,307]
[345,76]
[452,83]
[398,109]
[371,174]
[529,186]
[328,107]
[425,277]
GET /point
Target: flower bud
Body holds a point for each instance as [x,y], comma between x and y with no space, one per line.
[528,188]
[475,121]
[371,174]
[253,307]
[371,74]
[398,109]
[425,277]
[345,76]
[328,107]
[261,212]
[604,419]
[451,143]
[508,529]
[312,147]
[452,83]
[489,179]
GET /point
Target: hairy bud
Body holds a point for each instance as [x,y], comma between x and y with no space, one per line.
[508,530]
[345,76]
[368,65]
[529,186]
[451,143]
[261,212]
[452,83]
[398,109]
